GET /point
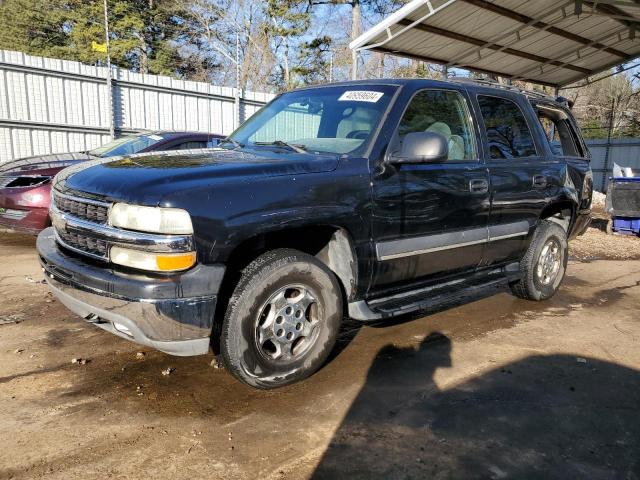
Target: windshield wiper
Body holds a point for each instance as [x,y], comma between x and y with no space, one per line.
[281,143]
[235,143]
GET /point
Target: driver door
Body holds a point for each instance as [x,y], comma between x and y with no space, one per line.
[430,219]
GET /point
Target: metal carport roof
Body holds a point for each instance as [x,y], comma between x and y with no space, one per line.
[550,42]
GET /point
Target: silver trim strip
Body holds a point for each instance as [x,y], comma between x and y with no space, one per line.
[394,249]
[504,230]
[429,250]
[504,237]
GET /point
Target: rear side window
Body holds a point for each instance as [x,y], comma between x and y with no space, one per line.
[507,132]
[562,137]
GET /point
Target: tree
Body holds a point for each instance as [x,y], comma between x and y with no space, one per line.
[373,11]
[36,27]
[610,102]
[214,27]
[312,62]
[145,35]
[286,21]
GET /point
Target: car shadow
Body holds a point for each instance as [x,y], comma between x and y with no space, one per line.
[549,417]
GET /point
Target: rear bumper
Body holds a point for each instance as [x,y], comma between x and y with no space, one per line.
[172,314]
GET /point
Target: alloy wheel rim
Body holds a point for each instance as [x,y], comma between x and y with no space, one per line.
[287,323]
[549,262]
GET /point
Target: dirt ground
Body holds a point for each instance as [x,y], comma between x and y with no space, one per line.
[495,388]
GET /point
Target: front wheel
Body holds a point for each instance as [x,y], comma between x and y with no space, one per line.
[544,264]
[282,319]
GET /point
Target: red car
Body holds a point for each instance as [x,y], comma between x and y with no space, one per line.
[25,183]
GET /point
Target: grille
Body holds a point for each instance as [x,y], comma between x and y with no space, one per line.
[83,210]
[86,244]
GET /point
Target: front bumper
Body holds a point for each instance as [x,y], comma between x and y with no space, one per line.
[25,221]
[173,314]
[24,215]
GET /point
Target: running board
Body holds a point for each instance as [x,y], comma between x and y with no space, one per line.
[424,298]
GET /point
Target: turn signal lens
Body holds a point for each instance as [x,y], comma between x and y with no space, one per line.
[168,263]
[155,262]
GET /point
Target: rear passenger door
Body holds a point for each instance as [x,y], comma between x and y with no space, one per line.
[522,173]
[430,219]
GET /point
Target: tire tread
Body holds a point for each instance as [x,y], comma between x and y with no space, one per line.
[250,279]
[523,288]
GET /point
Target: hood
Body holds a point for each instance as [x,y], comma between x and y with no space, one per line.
[147,179]
[42,165]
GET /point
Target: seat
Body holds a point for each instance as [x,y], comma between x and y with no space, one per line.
[456,148]
[455,142]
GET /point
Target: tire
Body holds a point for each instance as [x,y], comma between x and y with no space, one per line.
[282,319]
[540,280]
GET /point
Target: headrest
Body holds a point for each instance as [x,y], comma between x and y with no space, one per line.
[441,128]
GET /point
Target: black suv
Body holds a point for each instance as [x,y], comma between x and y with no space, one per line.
[364,199]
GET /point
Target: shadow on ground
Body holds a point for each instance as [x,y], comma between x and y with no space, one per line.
[542,417]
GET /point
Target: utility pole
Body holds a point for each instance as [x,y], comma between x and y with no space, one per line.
[112,130]
[236,123]
[330,66]
[605,174]
[354,64]
[356,19]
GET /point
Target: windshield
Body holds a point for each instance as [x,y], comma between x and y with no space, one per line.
[338,119]
[126,145]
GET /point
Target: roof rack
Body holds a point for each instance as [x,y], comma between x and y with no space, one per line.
[512,88]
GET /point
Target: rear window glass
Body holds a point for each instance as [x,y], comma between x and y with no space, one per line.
[508,134]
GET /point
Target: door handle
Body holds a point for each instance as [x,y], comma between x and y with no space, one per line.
[478,185]
[539,181]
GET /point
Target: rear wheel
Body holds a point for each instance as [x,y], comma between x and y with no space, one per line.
[282,319]
[544,264]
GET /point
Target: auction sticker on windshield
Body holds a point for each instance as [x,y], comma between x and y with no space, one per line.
[360,96]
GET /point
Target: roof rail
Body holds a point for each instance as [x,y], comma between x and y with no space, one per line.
[512,88]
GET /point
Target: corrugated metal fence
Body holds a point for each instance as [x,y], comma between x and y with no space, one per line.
[52,106]
[623,151]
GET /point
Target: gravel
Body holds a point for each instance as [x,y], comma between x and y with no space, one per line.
[598,199]
[596,244]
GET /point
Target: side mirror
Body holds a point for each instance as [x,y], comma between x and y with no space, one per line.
[422,147]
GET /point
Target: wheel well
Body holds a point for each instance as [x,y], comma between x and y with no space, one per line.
[561,213]
[331,245]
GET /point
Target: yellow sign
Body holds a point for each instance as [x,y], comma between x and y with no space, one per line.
[99,47]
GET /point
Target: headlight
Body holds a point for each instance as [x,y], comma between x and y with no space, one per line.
[150,219]
[155,262]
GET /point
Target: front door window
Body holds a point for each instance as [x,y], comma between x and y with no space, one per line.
[443,112]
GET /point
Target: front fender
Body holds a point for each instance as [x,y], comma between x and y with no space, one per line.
[227,213]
